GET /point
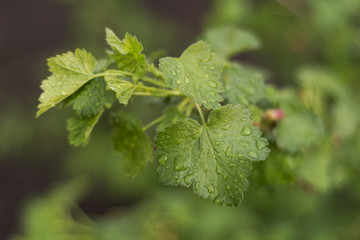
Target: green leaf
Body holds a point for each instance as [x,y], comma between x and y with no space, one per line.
[279,168]
[130,139]
[127,54]
[70,72]
[298,131]
[243,85]
[92,98]
[315,168]
[56,216]
[123,88]
[197,73]
[216,158]
[230,41]
[80,128]
[170,115]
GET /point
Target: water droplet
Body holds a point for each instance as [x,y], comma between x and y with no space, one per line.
[244,144]
[180,166]
[187,80]
[178,81]
[253,154]
[218,201]
[188,180]
[246,130]
[206,59]
[108,105]
[212,84]
[218,143]
[229,151]
[260,144]
[63,92]
[227,127]
[210,188]
[173,72]
[197,186]
[163,159]
[207,76]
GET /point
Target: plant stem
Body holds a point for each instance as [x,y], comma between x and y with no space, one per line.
[152,123]
[155,71]
[155,82]
[183,103]
[189,109]
[160,93]
[114,73]
[201,113]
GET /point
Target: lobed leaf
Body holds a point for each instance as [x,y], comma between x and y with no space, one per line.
[196,73]
[80,128]
[229,41]
[216,158]
[127,54]
[130,139]
[92,98]
[243,85]
[123,89]
[70,72]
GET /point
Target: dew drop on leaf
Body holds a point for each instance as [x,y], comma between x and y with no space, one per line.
[253,154]
[218,201]
[212,84]
[246,130]
[197,185]
[260,144]
[188,180]
[229,151]
[210,188]
[163,159]
[244,144]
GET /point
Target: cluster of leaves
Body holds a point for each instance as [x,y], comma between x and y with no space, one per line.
[212,150]
[214,156]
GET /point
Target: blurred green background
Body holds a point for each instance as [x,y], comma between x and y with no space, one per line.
[49,190]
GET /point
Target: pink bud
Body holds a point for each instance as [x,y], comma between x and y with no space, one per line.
[274,114]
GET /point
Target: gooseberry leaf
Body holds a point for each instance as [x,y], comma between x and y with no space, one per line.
[80,128]
[228,41]
[214,158]
[130,139]
[127,54]
[92,98]
[70,72]
[197,73]
[243,85]
[122,87]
